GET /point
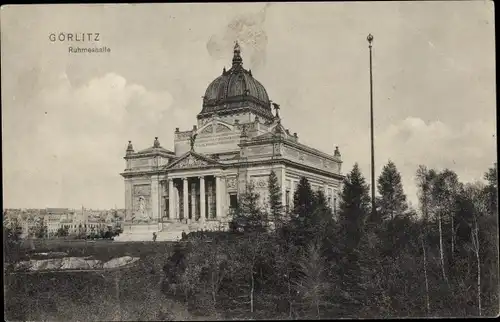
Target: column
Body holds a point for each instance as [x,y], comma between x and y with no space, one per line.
[128,199]
[202,199]
[185,197]
[210,198]
[217,196]
[177,201]
[292,192]
[283,186]
[193,201]
[155,201]
[171,200]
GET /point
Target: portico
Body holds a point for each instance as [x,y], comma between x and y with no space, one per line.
[193,198]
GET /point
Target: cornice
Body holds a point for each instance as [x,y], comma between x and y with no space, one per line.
[138,155]
[280,139]
[239,164]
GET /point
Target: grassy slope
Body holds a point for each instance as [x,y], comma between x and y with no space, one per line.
[90,296]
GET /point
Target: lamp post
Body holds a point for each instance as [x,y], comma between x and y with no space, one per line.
[370,40]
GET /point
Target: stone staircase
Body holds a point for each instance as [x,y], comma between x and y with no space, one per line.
[166,231]
[137,233]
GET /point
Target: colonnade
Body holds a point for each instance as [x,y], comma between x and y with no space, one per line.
[182,198]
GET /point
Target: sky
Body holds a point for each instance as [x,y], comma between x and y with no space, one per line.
[67,117]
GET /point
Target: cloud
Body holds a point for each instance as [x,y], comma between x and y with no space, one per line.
[248,30]
[79,135]
[469,150]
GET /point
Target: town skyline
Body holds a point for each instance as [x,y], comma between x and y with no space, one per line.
[69,117]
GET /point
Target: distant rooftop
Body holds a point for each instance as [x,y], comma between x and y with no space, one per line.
[58,211]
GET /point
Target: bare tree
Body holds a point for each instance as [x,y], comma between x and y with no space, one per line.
[427,302]
[312,284]
[476,196]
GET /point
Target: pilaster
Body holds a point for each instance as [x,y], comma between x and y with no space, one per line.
[202,199]
[128,199]
[155,198]
[218,201]
[171,199]
[185,198]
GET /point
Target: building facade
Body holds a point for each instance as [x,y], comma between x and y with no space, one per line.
[236,140]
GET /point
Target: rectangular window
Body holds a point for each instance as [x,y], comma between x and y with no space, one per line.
[233,201]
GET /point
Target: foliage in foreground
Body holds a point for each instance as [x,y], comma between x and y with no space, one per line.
[393,264]
[442,263]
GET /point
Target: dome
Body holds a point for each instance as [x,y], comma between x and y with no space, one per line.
[235,91]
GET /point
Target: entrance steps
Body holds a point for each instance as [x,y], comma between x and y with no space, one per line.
[166,231]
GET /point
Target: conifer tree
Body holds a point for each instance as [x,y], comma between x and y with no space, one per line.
[248,215]
[354,206]
[302,213]
[275,204]
[322,221]
[303,198]
[354,209]
[392,200]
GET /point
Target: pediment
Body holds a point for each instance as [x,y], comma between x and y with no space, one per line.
[192,160]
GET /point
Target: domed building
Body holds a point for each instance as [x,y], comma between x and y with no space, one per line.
[237,140]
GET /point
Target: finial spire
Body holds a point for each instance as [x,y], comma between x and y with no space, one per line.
[130,148]
[237,60]
[370,39]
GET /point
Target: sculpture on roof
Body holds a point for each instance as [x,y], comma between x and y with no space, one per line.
[337,152]
[156,143]
[277,109]
[192,139]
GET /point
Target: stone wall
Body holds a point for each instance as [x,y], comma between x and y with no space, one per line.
[310,159]
[216,137]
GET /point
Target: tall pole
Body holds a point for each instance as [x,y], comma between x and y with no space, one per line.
[370,40]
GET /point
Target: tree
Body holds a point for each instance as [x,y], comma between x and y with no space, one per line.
[444,191]
[311,218]
[302,218]
[479,201]
[40,229]
[62,232]
[208,263]
[248,216]
[491,176]
[12,232]
[311,283]
[275,204]
[303,199]
[392,201]
[252,247]
[354,207]
[424,179]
